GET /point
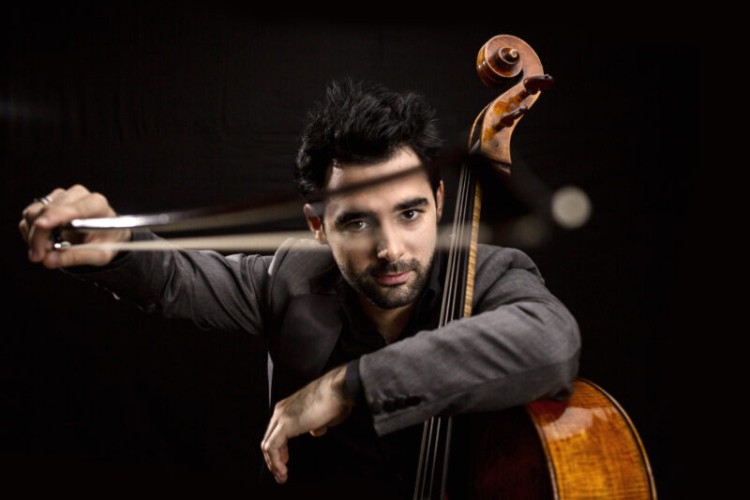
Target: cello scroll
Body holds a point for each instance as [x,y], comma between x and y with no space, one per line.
[504,57]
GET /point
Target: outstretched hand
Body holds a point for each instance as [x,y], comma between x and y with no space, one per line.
[321,404]
[46,215]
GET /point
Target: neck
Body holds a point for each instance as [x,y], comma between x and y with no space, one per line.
[390,323]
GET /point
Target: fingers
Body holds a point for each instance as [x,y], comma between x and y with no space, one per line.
[314,408]
[54,259]
[33,211]
[276,451]
[41,219]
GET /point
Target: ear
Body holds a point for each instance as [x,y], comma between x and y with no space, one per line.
[315,223]
[439,193]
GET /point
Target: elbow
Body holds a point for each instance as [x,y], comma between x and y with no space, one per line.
[569,337]
[562,376]
[556,346]
[565,354]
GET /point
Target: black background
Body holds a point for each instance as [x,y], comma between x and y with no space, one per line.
[164,108]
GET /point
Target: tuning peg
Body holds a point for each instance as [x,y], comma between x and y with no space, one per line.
[507,119]
[534,84]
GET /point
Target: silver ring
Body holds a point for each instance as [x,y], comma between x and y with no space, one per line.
[44,200]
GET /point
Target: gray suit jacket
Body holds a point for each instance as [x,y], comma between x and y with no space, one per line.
[520,344]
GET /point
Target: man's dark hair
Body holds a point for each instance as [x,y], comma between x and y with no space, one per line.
[364,123]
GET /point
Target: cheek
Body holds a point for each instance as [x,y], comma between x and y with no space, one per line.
[423,241]
[353,254]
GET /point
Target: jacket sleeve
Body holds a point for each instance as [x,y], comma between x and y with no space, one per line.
[520,344]
[211,290]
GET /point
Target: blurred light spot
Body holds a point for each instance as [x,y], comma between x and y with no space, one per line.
[571,207]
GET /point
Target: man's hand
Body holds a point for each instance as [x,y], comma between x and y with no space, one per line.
[59,207]
[320,404]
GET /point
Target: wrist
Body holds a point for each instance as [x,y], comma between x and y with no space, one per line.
[339,387]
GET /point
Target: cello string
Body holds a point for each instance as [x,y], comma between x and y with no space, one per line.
[429,454]
[464,222]
[433,460]
[434,428]
[443,435]
[455,238]
[421,465]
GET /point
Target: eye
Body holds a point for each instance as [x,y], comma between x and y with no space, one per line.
[356,226]
[411,214]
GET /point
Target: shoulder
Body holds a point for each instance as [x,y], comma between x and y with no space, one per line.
[300,264]
[498,260]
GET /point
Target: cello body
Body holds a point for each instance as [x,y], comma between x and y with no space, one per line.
[583,448]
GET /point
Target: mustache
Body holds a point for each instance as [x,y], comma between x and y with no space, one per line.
[381,268]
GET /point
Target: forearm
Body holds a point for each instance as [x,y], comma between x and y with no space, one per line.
[491,361]
[205,287]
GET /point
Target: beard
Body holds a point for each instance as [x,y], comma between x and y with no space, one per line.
[390,297]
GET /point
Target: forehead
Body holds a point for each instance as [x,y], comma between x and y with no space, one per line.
[380,196]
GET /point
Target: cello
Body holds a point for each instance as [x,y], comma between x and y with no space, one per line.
[583,447]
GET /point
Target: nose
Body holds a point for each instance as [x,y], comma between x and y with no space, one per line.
[390,247]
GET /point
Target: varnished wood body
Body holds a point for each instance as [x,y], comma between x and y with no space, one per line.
[583,448]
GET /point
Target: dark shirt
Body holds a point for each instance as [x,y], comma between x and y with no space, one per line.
[351,456]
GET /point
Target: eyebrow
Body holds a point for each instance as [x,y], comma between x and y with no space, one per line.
[346,217]
[413,203]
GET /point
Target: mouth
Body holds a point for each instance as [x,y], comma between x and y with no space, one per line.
[392,279]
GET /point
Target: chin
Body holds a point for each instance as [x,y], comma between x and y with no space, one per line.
[393,301]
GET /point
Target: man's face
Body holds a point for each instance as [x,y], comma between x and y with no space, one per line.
[382,237]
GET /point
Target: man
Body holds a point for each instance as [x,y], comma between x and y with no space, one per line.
[351,320]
